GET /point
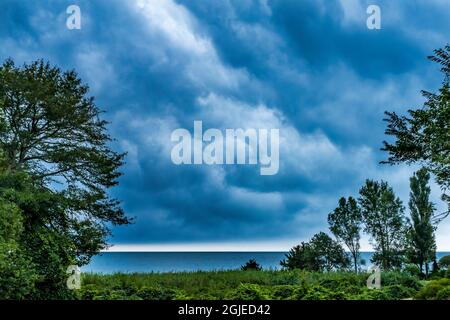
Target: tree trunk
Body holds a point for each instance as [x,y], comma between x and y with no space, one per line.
[355,261]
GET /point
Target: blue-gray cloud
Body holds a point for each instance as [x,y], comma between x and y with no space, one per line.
[310,68]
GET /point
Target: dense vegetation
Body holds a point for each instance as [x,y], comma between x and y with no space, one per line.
[259,285]
[55,170]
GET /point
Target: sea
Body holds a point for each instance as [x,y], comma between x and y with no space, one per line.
[160,262]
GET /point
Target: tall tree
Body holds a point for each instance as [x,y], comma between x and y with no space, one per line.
[423,136]
[384,221]
[51,129]
[345,224]
[423,244]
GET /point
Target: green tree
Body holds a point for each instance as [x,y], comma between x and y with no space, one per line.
[384,221]
[423,136]
[422,240]
[57,169]
[251,265]
[47,243]
[345,224]
[17,272]
[444,262]
[302,257]
[321,253]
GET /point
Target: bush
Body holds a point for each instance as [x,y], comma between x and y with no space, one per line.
[406,280]
[288,292]
[372,294]
[244,285]
[251,265]
[17,272]
[249,291]
[349,283]
[397,292]
[283,292]
[444,262]
[412,270]
[159,293]
[443,294]
[432,290]
[318,292]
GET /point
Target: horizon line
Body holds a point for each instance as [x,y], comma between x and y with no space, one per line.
[216,247]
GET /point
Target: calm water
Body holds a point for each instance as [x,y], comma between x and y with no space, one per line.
[188,261]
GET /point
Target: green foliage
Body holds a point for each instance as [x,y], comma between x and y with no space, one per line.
[421,248]
[320,254]
[373,294]
[398,292]
[443,294]
[432,290]
[384,221]
[317,292]
[17,272]
[251,265]
[48,248]
[56,167]
[444,262]
[53,130]
[249,291]
[424,135]
[300,257]
[90,292]
[393,278]
[344,282]
[345,224]
[412,270]
[288,292]
[242,285]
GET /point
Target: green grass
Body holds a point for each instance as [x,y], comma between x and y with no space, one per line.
[247,285]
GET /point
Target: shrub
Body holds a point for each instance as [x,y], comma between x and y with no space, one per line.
[432,289]
[249,291]
[443,294]
[283,292]
[251,265]
[372,294]
[406,280]
[346,282]
[17,272]
[318,292]
[147,293]
[444,262]
[397,292]
[412,270]
[288,292]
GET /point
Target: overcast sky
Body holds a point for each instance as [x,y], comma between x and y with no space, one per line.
[310,68]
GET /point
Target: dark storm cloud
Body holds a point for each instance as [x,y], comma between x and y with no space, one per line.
[310,68]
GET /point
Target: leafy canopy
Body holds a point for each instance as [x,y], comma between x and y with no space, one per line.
[384,221]
[51,129]
[320,254]
[345,223]
[423,136]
